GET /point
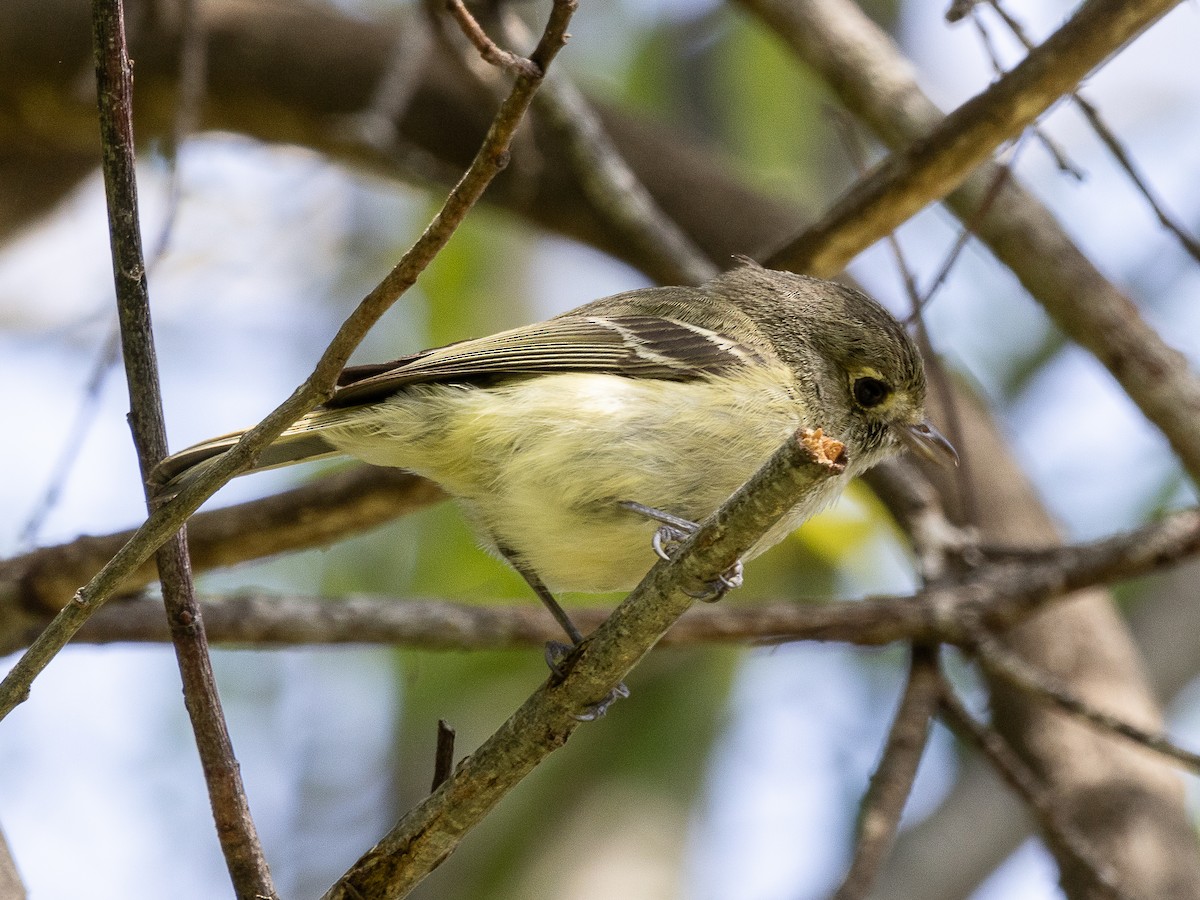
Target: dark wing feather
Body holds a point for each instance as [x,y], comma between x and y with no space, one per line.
[634,346]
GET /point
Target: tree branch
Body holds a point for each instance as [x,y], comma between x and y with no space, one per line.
[1002,663]
[429,833]
[325,510]
[1057,829]
[893,779]
[503,59]
[932,167]
[999,593]
[235,827]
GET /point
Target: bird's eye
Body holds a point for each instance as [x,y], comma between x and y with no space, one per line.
[870,392]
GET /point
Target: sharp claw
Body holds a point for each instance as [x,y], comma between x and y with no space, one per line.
[657,542]
[556,654]
[732,577]
[665,539]
[597,710]
[714,590]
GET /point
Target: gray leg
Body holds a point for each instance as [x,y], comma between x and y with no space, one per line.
[556,652]
[543,594]
[672,531]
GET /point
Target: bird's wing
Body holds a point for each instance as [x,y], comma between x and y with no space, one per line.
[634,346]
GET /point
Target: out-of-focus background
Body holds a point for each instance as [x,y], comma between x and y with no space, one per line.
[733,772]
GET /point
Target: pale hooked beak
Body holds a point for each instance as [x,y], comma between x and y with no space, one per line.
[926,440]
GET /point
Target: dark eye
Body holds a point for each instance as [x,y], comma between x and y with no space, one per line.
[870,391]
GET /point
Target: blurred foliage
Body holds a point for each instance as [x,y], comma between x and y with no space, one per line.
[778,132]
[721,78]
[479,283]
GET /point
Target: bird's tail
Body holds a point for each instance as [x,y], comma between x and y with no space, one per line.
[299,443]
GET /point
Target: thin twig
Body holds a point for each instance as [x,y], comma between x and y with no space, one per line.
[929,169]
[504,59]
[427,834]
[1114,145]
[167,519]
[443,754]
[1022,780]
[1012,669]
[81,423]
[892,782]
[235,828]
[970,226]
[610,184]
[485,82]
[1057,154]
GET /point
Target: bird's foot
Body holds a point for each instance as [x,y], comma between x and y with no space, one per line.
[667,539]
[558,656]
[672,532]
[716,589]
[597,710]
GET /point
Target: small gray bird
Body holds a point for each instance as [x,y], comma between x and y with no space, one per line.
[563,440]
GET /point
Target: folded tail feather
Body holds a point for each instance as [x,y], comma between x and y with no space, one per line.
[300,443]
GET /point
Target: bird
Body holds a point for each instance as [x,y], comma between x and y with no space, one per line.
[570,442]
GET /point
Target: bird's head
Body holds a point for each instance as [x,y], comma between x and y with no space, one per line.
[861,365]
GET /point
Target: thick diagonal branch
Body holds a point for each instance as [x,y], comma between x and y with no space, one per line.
[431,831]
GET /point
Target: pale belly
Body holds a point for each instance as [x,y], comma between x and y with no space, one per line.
[608,548]
[542,465]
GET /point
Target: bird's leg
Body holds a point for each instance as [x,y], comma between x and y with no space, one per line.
[672,531]
[543,594]
[557,652]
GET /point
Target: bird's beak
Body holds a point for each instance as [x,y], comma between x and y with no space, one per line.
[926,440]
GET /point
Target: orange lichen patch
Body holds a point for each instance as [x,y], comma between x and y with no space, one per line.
[825,450]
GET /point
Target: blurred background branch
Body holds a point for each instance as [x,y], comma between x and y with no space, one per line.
[993,593]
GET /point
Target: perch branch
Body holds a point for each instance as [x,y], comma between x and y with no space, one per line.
[431,831]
